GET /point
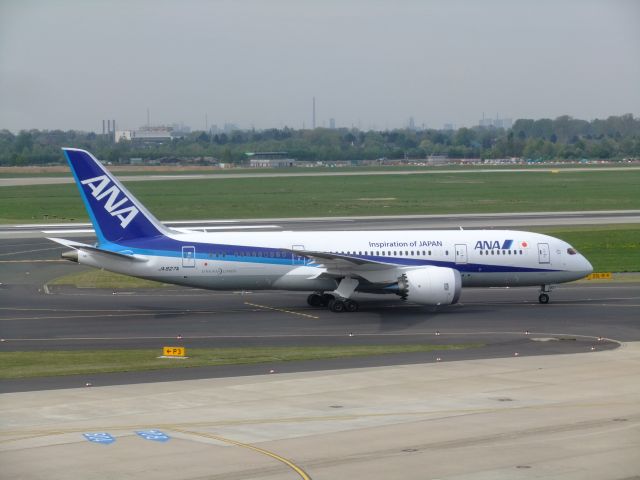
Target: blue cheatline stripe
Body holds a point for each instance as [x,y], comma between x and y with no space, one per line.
[87,206]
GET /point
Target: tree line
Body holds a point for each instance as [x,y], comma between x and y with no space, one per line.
[566,138]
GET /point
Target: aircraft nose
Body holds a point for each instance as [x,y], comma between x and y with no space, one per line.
[585,266]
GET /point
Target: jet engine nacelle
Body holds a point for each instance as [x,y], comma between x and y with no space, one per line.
[431,285]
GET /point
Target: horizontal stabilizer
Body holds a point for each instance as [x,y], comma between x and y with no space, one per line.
[83,246]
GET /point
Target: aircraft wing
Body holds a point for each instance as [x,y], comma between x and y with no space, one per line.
[342,260]
[337,265]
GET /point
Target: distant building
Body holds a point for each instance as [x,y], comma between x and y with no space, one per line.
[148,135]
[437,159]
[120,135]
[180,128]
[505,123]
[153,134]
[497,122]
[332,123]
[270,160]
[230,127]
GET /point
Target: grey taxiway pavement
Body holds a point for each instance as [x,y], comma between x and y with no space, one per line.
[553,394]
[41,180]
[35,317]
[398,222]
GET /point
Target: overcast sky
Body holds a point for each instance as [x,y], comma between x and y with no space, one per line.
[370,64]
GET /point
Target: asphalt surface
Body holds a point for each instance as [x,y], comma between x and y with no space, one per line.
[401,222]
[20,181]
[581,316]
[497,417]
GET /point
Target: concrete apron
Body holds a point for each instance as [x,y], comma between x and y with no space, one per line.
[562,416]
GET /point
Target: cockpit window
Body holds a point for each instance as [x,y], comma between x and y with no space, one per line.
[571,251]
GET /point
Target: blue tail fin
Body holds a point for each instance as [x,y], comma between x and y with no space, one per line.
[115,213]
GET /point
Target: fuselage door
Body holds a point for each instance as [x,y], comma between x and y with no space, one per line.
[189,257]
[461,253]
[297,259]
[543,253]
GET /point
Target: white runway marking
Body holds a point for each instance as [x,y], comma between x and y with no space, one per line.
[84,230]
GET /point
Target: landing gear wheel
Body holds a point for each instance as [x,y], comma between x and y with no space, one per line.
[336,305]
[543,298]
[351,305]
[315,300]
[325,299]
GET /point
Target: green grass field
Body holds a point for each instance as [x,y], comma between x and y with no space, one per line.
[51,363]
[344,196]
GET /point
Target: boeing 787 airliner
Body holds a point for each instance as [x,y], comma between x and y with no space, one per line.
[427,267]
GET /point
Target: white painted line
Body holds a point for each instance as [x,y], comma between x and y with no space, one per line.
[230,227]
[88,230]
[49,225]
[179,222]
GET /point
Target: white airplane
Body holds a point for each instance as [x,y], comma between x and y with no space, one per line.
[427,267]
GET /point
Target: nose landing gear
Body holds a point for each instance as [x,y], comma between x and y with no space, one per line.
[545,290]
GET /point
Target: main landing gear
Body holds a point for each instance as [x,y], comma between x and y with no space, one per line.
[334,303]
[545,290]
[338,300]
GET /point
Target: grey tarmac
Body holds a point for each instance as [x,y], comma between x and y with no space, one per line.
[23,181]
[566,407]
[551,416]
[398,222]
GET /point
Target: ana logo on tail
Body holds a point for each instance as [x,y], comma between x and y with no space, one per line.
[99,191]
